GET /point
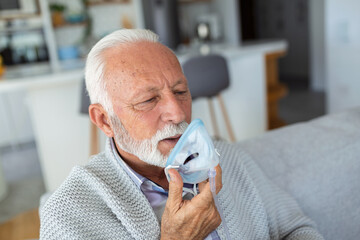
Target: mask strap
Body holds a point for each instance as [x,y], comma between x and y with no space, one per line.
[195,189]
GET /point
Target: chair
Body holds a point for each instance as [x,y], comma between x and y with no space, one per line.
[84,109]
[207,76]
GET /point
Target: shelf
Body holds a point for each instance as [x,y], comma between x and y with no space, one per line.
[20,16]
[67,24]
[193,1]
[21,29]
[99,3]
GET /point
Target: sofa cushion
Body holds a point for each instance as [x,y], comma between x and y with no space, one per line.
[318,163]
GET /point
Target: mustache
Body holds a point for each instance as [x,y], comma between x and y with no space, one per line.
[169,131]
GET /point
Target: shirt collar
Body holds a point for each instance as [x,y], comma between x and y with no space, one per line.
[141,181]
[137,178]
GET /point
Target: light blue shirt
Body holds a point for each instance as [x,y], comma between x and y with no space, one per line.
[155,194]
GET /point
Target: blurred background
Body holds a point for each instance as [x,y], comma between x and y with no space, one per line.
[288,61]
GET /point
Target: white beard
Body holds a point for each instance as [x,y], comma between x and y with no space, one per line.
[146,150]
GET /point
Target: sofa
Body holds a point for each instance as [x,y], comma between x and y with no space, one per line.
[318,163]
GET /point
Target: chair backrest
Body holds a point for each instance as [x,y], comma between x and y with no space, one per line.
[84,100]
[207,75]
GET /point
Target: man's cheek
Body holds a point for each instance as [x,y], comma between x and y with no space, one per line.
[146,126]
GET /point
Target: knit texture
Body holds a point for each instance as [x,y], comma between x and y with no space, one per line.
[100,201]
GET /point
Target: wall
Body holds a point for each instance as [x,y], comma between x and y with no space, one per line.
[342,44]
[228,11]
[108,18]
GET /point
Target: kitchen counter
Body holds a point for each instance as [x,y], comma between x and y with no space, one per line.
[39,76]
[250,47]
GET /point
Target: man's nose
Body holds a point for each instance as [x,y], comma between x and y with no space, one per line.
[173,110]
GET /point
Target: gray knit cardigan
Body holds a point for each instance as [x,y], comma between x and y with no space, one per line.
[100,201]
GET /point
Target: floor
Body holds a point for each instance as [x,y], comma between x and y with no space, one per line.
[23,172]
[24,226]
[301,105]
[24,180]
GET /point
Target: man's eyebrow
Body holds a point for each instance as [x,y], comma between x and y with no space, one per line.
[180,81]
[154,89]
[137,97]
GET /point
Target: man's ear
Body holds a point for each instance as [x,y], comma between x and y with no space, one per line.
[100,118]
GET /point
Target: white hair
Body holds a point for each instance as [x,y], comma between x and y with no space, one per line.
[95,63]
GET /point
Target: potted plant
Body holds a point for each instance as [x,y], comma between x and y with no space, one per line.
[57,14]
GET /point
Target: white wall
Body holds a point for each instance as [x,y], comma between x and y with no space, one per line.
[317,44]
[108,18]
[228,11]
[342,46]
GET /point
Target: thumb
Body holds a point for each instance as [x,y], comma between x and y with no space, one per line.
[175,190]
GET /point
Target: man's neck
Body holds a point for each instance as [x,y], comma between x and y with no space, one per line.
[151,172]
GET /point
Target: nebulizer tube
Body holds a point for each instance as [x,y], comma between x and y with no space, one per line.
[212,174]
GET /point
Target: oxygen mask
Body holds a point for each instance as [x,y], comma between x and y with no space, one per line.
[193,155]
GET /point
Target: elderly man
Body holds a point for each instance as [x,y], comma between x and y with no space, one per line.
[141,101]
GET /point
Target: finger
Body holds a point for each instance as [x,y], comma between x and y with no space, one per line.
[218,178]
[205,195]
[202,184]
[175,190]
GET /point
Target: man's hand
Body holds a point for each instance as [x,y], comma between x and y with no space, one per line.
[190,219]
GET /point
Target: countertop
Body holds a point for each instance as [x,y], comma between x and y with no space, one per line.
[41,75]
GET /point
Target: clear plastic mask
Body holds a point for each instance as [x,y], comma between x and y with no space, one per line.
[193,155]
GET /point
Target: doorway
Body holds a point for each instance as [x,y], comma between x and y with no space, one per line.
[280,19]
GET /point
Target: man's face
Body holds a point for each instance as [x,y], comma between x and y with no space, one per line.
[148,90]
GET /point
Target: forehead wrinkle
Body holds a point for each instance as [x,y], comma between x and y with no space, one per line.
[134,60]
[137,58]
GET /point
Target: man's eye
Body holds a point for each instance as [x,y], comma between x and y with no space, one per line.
[146,105]
[149,100]
[181,92]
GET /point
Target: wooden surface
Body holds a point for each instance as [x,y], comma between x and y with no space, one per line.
[68,24]
[95,3]
[23,226]
[94,139]
[275,90]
